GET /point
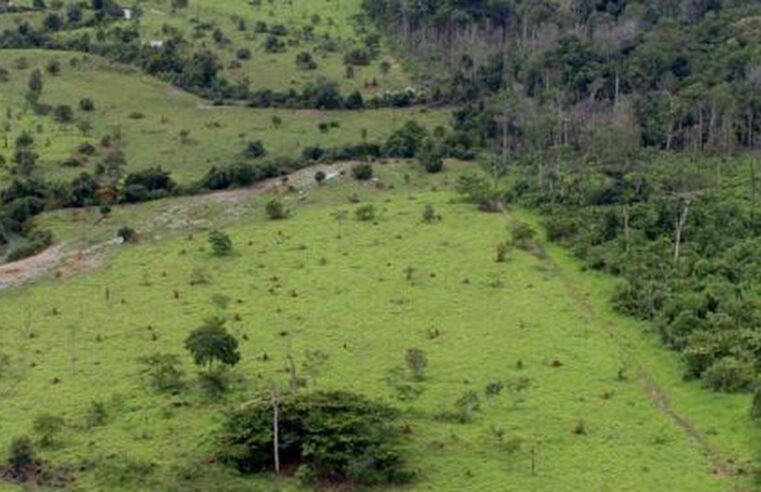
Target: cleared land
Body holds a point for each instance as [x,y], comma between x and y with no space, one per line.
[297,287]
[150,116]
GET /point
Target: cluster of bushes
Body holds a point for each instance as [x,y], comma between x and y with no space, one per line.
[410,141]
[239,174]
[328,436]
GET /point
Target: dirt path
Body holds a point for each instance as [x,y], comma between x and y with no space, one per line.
[65,260]
[656,394]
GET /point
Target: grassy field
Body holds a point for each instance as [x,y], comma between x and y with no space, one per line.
[535,323]
[150,116]
[330,21]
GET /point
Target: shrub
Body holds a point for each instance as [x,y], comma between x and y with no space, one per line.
[338,435]
[86,104]
[254,150]
[96,414]
[729,374]
[152,179]
[220,243]
[416,362]
[755,409]
[365,213]
[243,54]
[429,214]
[362,172]
[276,210]
[357,56]
[503,251]
[21,454]
[162,371]
[432,161]
[319,176]
[47,427]
[128,235]
[63,113]
[522,235]
[304,61]
[86,148]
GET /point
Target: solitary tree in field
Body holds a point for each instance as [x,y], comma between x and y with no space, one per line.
[35,81]
[211,343]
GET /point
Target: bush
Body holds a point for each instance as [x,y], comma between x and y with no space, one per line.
[220,243]
[152,179]
[365,213]
[429,214]
[86,104]
[276,210]
[162,371]
[63,113]
[416,361]
[254,150]
[320,177]
[358,56]
[729,374]
[243,54]
[21,454]
[48,426]
[128,235]
[362,172]
[522,235]
[338,435]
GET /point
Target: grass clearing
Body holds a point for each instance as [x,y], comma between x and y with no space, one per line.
[363,299]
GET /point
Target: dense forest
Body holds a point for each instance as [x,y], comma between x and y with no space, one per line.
[681,74]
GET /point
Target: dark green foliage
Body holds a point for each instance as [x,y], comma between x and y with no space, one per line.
[63,114]
[86,104]
[362,172]
[340,436]
[148,184]
[406,141]
[128,235]
[254,149]
[305,61]
[211,343]
[220,243]
[21,453]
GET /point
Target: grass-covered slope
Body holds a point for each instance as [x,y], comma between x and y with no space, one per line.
[326,29]
[595,402]
[151,115]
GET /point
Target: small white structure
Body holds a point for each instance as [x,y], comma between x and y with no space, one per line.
[127,14]
[156,43]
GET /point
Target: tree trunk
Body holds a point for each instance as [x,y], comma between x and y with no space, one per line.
[276,428]
[626,228]
[680,223]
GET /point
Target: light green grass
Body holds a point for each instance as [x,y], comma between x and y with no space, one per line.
[357,306]
[218,134]
[278,71]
